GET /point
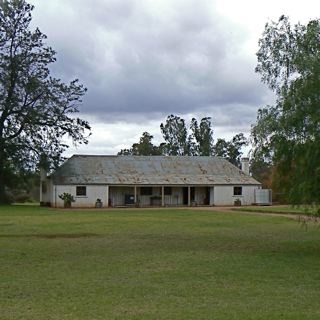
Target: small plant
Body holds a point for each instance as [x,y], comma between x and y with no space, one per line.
[67,199]
[237,202]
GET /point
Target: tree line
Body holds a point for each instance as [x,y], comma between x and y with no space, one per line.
[195,140]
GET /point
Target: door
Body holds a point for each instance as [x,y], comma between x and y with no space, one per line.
[185,196]
[206,201]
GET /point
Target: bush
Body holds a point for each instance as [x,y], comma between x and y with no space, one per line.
[67,199]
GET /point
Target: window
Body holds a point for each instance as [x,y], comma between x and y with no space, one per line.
[167,191]
[146,191]
[81,191]
[237,191]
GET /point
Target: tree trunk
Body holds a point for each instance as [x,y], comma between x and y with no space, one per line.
[3,197]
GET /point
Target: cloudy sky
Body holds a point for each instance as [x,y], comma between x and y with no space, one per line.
[142,60]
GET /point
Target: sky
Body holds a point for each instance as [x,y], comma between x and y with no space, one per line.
[143,60]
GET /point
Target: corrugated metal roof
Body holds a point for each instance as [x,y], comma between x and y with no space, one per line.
[150,170]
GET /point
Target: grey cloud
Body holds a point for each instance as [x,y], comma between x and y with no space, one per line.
[146,59]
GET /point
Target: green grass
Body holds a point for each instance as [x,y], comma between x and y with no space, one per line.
[283,209]
[156,264]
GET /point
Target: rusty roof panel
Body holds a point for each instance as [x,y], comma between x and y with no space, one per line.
[149,170]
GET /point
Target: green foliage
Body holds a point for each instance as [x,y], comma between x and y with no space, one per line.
[67,198]
[197,141]
[203,136]
[144,147]
[288,133]
[261,171]
[24,187]
[175,134]
[35,109]
[178,141]
[231,150]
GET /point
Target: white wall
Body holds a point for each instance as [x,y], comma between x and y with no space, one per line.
[93,193]
[223,195]
[45,190]
[219,195]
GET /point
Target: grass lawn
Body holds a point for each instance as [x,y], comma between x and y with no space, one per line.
[156,264]
[283,209]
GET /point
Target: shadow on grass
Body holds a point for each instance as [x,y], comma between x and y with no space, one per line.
[51,236]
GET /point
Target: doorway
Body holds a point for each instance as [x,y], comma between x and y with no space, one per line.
[185,195]
[206,201]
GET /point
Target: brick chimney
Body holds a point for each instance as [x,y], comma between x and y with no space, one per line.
[245,166]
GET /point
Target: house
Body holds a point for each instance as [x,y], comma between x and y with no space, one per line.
[149,181]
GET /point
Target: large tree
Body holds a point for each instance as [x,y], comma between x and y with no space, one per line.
[231,150]
[288,132]
[203,135]
[175,134]
[179,141]
[144,147]
[36,110]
